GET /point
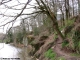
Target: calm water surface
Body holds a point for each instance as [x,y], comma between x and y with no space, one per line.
[9,51]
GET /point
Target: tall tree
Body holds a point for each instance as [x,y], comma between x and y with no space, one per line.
[73,6]
[60,5]
[67,9]
[79,6]
[46,9]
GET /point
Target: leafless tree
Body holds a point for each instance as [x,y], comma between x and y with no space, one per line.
[46,7]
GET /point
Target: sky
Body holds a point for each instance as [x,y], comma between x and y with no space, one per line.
[10,12]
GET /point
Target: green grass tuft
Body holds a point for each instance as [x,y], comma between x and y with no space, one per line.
[61,58]
[50,54]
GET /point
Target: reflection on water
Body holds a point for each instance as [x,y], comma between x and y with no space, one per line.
[8,51]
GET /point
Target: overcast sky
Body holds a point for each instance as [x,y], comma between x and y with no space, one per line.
[10,12]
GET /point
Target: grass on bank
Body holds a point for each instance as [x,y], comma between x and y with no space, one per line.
[75,54]
[67,23]
[3,41]
[61,58]
[50,54]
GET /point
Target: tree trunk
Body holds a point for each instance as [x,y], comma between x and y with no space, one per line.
[62,17]
[79,6]
[55,24]
[73,6]
[52,16]
[67,9]
[58,31]
[63,23]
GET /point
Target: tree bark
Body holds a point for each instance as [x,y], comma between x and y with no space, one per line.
[55,24]
[73,6]
[79,6]
[67,9]
[52,16]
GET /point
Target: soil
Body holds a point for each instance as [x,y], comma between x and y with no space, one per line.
[61,53]
[57,48]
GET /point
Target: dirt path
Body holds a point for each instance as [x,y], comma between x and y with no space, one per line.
[61,53]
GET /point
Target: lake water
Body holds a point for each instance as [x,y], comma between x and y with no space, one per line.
[9,51]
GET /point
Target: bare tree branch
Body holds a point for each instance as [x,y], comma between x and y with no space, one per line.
[4,2]
[17,15]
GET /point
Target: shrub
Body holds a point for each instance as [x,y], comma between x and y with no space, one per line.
[10,37]
[36,31]
[50,54]
[65,44]
[19,38]
[55,36]
[76,41]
